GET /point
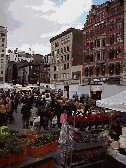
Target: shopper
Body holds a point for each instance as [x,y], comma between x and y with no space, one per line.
[2,113]
[25,111]
[9,111]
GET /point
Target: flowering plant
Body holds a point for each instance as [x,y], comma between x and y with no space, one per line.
[89,120]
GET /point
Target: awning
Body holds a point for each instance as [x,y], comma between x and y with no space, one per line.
[91,67]
[86,68]
[102,66]
[117,64]
[111,65]
[91,55]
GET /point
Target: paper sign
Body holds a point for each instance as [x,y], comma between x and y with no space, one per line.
[62,116]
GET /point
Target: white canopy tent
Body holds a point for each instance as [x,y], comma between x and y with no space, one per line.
[116,102]
[6,86]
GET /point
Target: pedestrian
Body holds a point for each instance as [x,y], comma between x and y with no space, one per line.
[15,103]
[2,113]
[58,113]
[9,111]
[25,111]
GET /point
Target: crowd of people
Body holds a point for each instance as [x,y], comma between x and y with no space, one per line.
[47,110]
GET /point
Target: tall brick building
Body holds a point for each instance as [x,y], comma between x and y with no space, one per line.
[66,57]
[103,43]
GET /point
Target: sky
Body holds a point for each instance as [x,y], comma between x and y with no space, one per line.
[32,23]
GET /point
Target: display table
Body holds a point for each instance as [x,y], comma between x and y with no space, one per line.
[34,162]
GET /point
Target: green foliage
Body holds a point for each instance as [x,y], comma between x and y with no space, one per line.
[4,152]
[13,131]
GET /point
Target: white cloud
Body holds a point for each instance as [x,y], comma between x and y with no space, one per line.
[36,21]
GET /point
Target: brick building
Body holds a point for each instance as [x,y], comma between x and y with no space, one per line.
[103,43]
[66,57]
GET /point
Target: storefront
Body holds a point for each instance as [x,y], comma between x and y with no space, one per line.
[96,91]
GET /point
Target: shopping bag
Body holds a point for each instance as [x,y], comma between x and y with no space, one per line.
[62,117]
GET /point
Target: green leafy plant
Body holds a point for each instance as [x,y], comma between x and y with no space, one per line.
[4,152]
[13,131]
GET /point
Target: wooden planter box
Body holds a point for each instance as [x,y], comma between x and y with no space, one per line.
[53,146]
[12,158]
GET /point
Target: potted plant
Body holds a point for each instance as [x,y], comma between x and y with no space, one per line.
[3,155]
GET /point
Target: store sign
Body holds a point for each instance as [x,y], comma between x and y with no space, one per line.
[96,88]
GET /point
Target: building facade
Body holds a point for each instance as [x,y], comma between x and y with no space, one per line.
[103,43]
[66,52]
[3,46]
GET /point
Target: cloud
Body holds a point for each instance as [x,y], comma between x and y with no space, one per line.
[34,22]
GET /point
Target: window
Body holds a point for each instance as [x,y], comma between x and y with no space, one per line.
[91,71]
[57,68]
[92,33]
[87,59]
[67,48]
[111,39]
[103,42]
[64,49]
[98,56]
[1,72]
[61,76]
[91,58]
[2,61]
[91,44]
[2,50]
[113,11]
[3,40]
[67,76]
[64,66]
[118,70]
[64,76]
[86,73]
[103,71]
[97,71]
[55,52]
[2,55]
[87,47]
[54,68]
[103,55]
[117,52]
[52,53]
[67,56]
[52,61]
[98,42]
[112,26]
[104,28]
[68,39]
[61,67]
[58,51]
[75,77]
[61,58]
[111,54]
[111,70]
[2,45]
[61,50]
[102,15]
[57,59]
[67,65]
[61,42]
[87,35]
[97,30]
[2,34]
[118,37]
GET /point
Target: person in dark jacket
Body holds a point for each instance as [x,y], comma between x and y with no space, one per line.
[116,130]
[15,103]
[58,113]
[25,111]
